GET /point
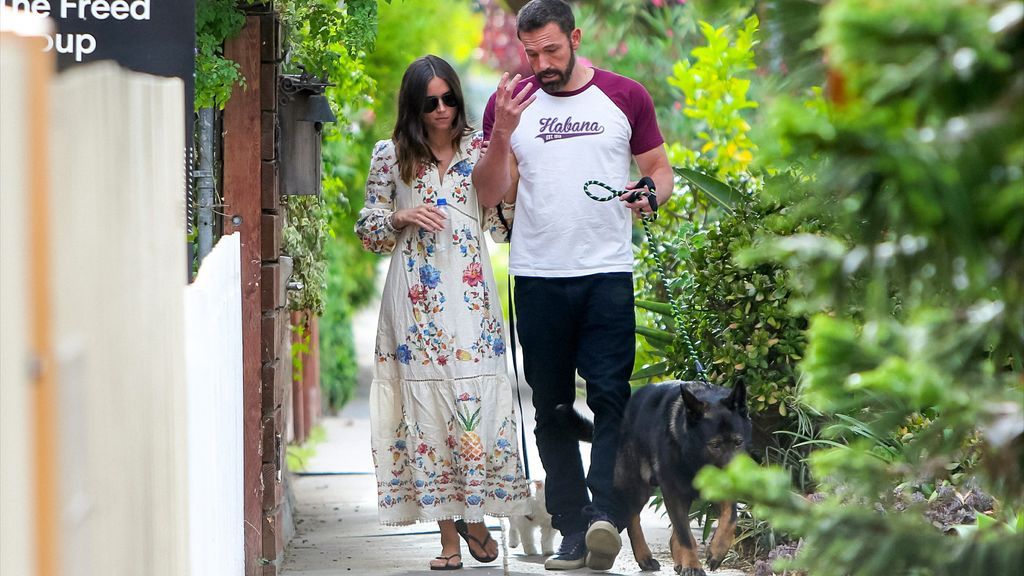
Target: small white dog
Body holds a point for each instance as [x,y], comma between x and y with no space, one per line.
[521,528]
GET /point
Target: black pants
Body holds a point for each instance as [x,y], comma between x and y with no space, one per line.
[567,325]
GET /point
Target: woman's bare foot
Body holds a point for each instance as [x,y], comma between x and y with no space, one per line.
[451,548]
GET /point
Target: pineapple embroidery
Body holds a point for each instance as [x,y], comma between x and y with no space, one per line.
[471,446]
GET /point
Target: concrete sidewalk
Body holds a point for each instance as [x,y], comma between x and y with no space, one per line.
[335,510]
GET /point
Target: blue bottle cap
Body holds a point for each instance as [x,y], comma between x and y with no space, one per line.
[442,201]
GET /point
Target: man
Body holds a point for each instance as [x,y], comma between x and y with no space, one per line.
[572,257]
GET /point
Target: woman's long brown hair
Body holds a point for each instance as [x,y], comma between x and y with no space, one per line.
[409,136]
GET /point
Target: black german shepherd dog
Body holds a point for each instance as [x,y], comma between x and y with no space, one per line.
[669,432]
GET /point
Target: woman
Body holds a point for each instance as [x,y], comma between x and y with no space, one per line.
[444,430]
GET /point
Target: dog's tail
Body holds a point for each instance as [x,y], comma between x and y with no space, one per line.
[575,424]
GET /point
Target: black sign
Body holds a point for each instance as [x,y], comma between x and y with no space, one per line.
[152,36]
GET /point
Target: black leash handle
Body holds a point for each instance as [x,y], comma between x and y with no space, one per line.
[652,198]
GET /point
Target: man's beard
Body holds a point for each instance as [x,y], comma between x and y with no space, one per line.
[562,77]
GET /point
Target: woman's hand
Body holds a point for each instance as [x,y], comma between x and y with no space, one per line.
[426,216]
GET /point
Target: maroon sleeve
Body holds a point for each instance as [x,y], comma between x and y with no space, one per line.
[489,117]
[646,134]
[636,103]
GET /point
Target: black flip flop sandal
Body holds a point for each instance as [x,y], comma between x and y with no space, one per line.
[463,530]
[448,563]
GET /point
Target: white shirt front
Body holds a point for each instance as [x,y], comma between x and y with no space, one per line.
[564,140]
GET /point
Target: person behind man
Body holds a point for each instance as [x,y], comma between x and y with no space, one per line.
[572,257]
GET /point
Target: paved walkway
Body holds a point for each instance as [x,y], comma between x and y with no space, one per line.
[336,517]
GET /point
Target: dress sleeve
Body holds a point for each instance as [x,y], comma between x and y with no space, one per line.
[374,226]
[498,221]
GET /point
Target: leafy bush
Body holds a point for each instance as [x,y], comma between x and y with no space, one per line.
[738,317]
[913,358]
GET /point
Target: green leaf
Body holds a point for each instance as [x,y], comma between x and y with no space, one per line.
[663,308]
[655,335]
[717,190]
[652,371]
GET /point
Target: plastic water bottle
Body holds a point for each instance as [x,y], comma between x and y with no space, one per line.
[443,237]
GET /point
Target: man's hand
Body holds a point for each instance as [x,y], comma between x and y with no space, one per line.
[508,107]
[642,205]
[493,174]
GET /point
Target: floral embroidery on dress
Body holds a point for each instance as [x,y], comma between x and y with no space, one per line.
[373,226]
[421,472]
[444,438]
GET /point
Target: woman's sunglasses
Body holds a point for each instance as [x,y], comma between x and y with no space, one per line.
[432,102]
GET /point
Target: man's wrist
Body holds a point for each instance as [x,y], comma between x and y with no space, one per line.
[500,135]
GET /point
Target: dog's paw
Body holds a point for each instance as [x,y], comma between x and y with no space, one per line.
[648,564]
[715,560]
[690,571]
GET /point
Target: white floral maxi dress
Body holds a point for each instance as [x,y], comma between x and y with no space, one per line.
[444,426]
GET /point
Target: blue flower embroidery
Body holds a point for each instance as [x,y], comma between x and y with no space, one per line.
[430,276]
[500,493]
[499,347]
[395,481]
[464,168]
[420,483]
[427,499]
[474,500]
[503,443]
[508,478]
[404,354]
[400,444]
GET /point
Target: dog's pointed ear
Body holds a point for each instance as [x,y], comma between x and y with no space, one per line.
[737,399]
[694,406]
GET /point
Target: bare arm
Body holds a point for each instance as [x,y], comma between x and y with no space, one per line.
[493,174]
[653,163]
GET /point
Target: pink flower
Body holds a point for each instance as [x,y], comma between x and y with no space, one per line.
[464,397]
[442,360]
[473,274]
[417,293]
[422,448]
[658,3]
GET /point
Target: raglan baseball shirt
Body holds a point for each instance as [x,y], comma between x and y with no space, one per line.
[562,141]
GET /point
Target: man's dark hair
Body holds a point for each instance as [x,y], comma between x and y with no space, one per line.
[539,13]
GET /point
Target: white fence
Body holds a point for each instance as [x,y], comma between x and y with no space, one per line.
[16,124]
[118,274]
[147,406]
[213,351]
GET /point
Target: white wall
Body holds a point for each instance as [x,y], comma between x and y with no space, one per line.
[213,353]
